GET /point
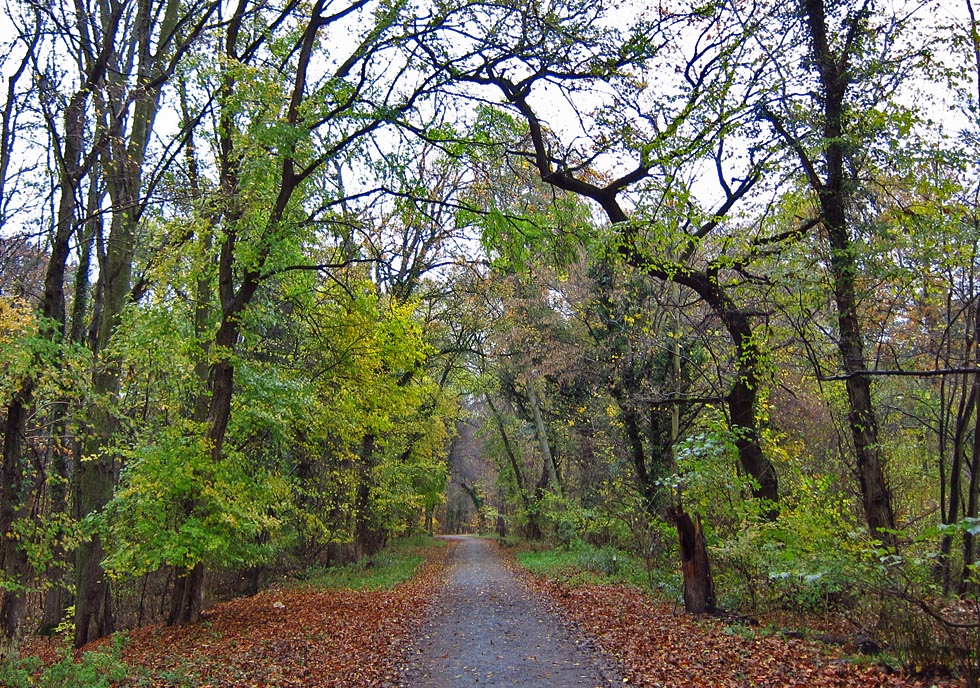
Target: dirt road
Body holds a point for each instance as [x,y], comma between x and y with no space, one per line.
[484,629]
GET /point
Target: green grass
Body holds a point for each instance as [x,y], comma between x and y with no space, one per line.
[395,564]
[583,564]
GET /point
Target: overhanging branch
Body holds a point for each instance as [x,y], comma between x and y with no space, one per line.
[938,372]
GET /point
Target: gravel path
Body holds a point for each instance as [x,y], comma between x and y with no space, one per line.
[484,629]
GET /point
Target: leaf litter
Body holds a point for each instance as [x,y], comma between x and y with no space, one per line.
[658,646]
[299,636]
[341,638]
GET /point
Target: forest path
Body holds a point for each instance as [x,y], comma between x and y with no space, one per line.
[485,629]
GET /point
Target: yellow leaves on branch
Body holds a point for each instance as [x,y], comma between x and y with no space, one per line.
[18,327]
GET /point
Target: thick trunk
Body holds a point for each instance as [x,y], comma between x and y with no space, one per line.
[862,418]
[835,74]
[94,481]
[699,591]
[188,598]
[95,477]
[968,580]
[13,558]
[369,537]
[55,596]
[742,399]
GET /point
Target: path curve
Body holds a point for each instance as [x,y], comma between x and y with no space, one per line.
[484,629]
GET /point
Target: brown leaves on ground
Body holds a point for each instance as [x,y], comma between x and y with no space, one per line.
[659,646]
[295,637]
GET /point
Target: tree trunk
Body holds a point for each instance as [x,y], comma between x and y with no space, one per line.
[94,481]
[968,581]
[95,476]
[541,430]
[862,418]
[950,507]
[835,74]
[13,558]
[699,591]
[188,597]
[55,596]
[369,537]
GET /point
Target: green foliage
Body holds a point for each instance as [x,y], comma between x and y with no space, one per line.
[31,351]
[809,560]
[708,480]
[93,669]
[568,521]
[177,507]
[43,538]
[395,564]
[581,563]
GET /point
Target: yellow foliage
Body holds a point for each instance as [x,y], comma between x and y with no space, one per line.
[17,328]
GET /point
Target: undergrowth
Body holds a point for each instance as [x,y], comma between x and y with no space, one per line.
[92,669]
[397,563]
[579,563]
[104,667]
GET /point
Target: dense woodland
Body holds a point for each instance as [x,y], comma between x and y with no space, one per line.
[284,280]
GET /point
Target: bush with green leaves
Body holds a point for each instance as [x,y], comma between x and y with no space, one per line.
[809,559]
[177,507]
[93,669]
[568,521]
[580,562]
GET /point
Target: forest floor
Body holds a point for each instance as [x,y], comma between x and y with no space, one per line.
[472,617]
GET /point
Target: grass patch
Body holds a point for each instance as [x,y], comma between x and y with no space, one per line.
[582,564]
[395,564]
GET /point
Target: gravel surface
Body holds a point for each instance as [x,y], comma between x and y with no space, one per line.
[485,629]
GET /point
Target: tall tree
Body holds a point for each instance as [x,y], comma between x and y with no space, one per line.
[855,57]
[287,114]
[141,56]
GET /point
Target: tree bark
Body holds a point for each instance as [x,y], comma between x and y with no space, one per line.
[968,579]
[13,557]
[188,596]
[369,537]
[56,594]
[94,483]
[699,591]
[549,470]
[965,409]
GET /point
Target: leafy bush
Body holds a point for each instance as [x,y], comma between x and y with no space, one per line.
[811,559]
[568,521]
[94,669]
[176,507]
